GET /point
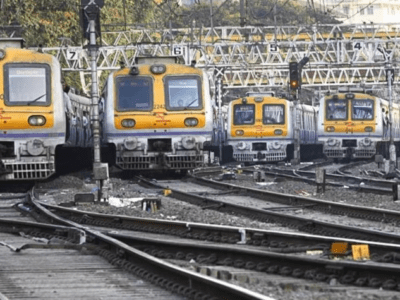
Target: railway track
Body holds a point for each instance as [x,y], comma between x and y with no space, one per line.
[338,178]
[173,282]
[286,259]
[258,211]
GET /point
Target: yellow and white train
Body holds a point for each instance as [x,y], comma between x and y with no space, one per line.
[355,124]
[32,114]
[36,114]
[261,128]
[157,115]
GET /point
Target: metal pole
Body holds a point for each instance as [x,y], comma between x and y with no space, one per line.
[212,21]
[95,93]
[220,121]
[296,152]
[100,170]
[392,148]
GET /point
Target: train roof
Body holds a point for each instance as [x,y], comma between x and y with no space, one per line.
[11,43]
[147,60]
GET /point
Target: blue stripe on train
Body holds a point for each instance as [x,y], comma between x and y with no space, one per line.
[158,133]
[32,135]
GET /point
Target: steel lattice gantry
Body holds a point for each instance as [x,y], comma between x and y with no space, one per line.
[255,57]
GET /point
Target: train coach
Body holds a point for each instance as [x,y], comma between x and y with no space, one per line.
[157,115]
[354,124]
[32,112]
[261,128]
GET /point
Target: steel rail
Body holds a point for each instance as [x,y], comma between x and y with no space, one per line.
[360,212]
[302,224]
[270,262]
[276,241]
[178,279]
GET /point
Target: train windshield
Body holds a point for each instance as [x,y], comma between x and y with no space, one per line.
[336,109]
[362,109]
[27,84]
[182,93]
[273,114]
[134,93]
[243,114]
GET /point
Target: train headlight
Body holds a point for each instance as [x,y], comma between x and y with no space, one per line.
[276,145]
[188,142]
[130,143]
[2,53]
[239,132]
[332,142]
[241,146]
[278,132]
[158,69]
[366,142]
[35,147]
[330,129]
[368,129]
[37,120]
[128,123]
[191,122]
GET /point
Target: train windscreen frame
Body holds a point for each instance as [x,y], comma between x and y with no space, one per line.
[134,93]
[362,109]
[273,114]
[337,109]
[27,84]
[243,114]
[183,92]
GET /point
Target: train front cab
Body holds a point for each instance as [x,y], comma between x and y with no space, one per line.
[31,114]
[350,125]
[158,115]
[258,130]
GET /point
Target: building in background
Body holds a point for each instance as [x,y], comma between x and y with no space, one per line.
[362,11]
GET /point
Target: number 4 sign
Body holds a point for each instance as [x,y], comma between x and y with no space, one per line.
[358,46]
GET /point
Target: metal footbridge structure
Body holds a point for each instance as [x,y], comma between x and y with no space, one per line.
[255,58]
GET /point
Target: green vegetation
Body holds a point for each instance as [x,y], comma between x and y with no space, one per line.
[44,22]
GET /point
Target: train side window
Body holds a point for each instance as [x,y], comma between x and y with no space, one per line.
[336,109]
[273,114]
[362,109]
[27,84]
[134,93]
[243,114]
[183,92]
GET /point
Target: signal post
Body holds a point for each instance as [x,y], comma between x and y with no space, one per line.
[295,69]
[90,16]
[294,85]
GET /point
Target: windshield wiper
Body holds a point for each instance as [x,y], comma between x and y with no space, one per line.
[34,100]
[190,104]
